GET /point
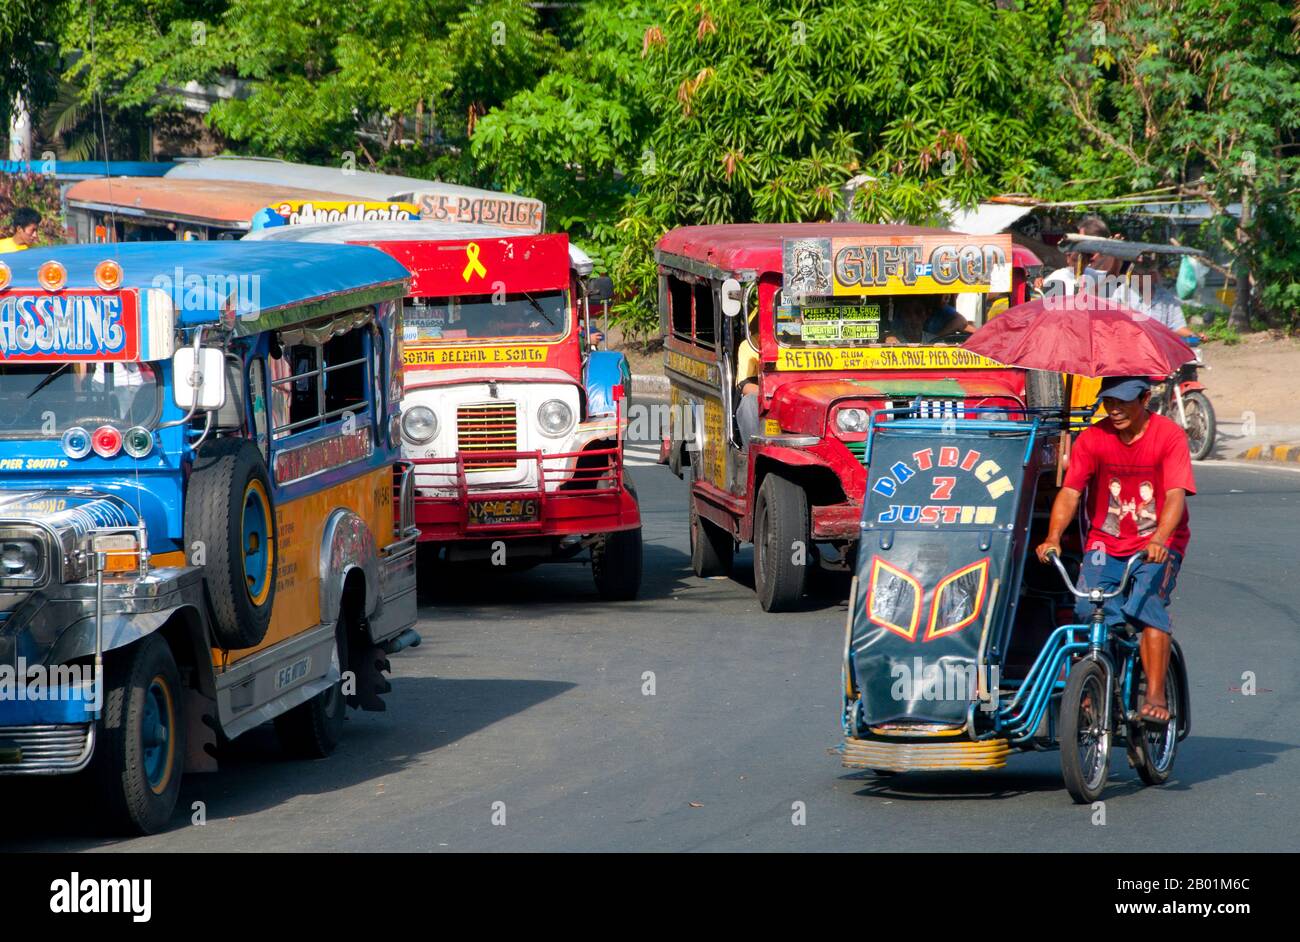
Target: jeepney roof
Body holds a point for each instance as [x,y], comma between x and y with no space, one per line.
[411,230]
[1122,248]
[353,183]
[86,169]
[757,246]
[230,203]
[293,283]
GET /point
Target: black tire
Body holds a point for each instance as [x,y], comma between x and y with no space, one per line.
[616,565]
[1153,750]
[781,525]
[712,548]
[227,481]
[1201,425]
[140,749]
[616,560]
[1085,745]
[313,729]
[1044,389]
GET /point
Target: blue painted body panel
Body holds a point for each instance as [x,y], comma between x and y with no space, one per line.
[85,169]
[605,370]
[197,275]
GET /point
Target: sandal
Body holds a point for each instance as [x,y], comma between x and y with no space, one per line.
[1147,713]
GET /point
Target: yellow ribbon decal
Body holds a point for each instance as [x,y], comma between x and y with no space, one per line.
[475,266]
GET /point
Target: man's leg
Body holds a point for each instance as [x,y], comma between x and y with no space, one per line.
[1154,648]
[1147,605]
[747,419]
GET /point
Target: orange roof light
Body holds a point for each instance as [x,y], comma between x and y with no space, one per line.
[5,275]
[108,275]
[52,276]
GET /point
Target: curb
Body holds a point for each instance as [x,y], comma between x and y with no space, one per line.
[1290,453]
[649,384]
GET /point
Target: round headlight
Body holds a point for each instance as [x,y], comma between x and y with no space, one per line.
[851,420]
[76,442]
[555,417]
[19,559]
[419,425]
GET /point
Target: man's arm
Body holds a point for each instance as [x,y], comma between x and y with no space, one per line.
[1170,516]
[1063,510]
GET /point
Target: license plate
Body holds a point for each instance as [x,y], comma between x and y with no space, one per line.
[487,512]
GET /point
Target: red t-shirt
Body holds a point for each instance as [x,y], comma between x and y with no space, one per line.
[1128,483]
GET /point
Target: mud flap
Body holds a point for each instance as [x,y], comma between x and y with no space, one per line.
[368,665]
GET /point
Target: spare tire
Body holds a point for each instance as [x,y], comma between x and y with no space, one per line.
[1044,389]
[230,519]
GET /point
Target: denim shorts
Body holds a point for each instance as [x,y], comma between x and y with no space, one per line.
[1145,603]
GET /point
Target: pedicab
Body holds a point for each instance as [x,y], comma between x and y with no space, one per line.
[961,646]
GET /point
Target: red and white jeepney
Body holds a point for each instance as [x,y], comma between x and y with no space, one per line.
[844,319]
[514,425]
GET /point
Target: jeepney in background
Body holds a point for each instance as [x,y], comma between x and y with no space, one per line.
[831,310]
[514,425]
[205,523]
[436,201]
[162,209]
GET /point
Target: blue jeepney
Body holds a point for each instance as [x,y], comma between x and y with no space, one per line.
[205,523]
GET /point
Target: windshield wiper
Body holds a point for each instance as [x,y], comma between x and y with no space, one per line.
[538,307]
[47,380]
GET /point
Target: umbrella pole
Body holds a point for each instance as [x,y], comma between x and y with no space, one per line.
[1063,449]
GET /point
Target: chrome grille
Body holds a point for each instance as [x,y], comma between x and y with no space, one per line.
[488,427]
[45,748]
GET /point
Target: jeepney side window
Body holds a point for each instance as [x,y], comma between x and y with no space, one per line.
[346,360]
[706,329]
[257,405]
[679,307]
[321,384]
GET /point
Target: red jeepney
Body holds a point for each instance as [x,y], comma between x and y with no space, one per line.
[514,425]
[828,323]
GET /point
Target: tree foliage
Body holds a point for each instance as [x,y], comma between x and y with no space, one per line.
[1201,99]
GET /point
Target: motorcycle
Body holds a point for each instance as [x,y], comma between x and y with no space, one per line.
[1182,398]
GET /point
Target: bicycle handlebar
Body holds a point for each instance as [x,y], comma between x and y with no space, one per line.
[1103,596]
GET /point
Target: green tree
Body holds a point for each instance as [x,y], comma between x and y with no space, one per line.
[29,55]
[763,112]
[1201,98]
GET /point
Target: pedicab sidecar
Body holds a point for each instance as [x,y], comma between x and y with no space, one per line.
[961,647]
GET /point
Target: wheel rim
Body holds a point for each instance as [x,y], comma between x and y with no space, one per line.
[1094,739]
[156,725]
[1161,743]
[761,545]
[259,554]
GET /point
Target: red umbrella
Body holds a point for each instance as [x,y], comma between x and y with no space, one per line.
[1081,334]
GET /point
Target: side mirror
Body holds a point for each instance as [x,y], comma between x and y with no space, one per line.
[600,289]
[199,383]
[731,297]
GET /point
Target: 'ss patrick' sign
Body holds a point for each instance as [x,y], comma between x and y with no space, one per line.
[70,325]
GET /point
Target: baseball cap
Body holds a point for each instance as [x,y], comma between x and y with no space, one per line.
[1124,388]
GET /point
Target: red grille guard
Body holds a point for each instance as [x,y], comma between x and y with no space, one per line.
[589,495]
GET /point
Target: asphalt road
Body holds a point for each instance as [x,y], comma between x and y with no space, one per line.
[529,692]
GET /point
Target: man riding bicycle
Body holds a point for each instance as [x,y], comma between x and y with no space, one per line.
[1137,468]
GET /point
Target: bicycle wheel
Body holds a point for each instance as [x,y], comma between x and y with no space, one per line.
[1153,750]
[1085,740]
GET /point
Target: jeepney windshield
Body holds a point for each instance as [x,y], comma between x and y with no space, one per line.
[43,400]
[535,314]
[874,320]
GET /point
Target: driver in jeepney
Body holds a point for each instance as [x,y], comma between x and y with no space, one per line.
[918,319]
